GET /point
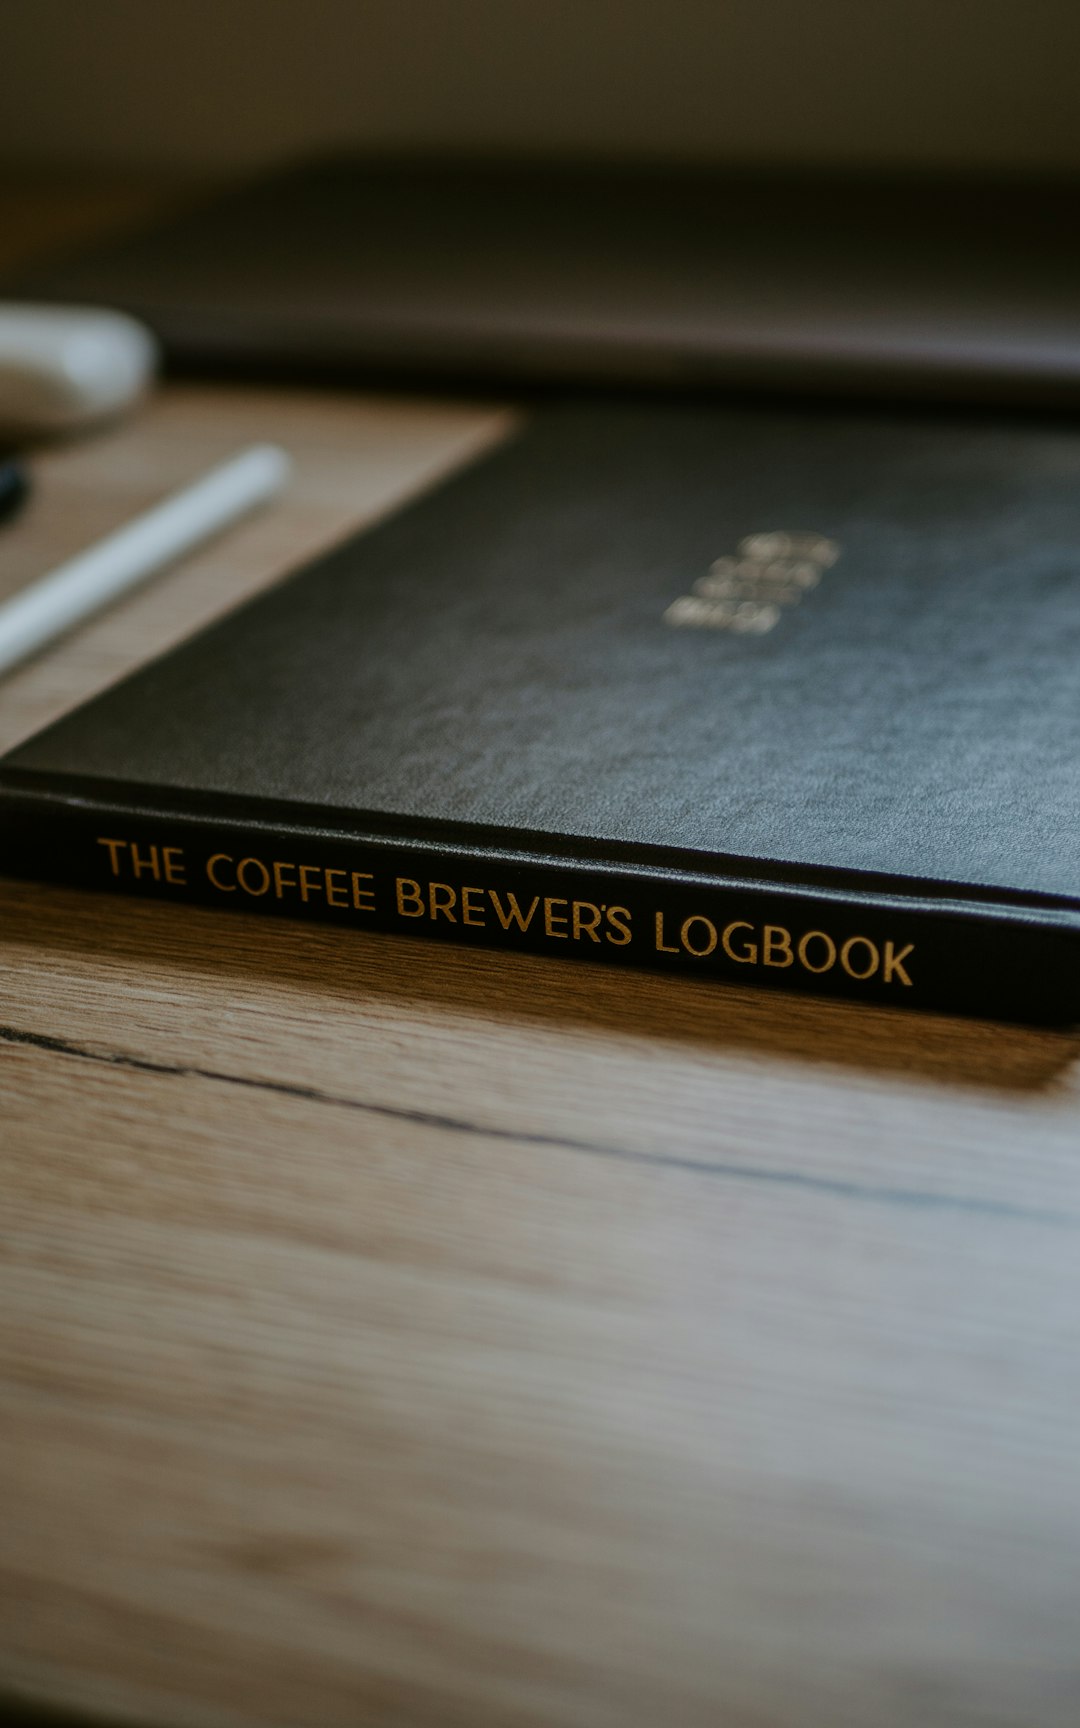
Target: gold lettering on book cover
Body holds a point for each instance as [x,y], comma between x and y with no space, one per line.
[748,592]
[730,944]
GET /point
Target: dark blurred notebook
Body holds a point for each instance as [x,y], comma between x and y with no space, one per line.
[678,277]
[781,698]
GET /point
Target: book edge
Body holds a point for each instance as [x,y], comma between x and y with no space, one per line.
[1032,908]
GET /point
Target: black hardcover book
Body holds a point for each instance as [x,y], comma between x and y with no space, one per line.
[665,277]
[780,697]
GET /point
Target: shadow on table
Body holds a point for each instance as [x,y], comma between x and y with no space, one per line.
[344,966]
[18,1712]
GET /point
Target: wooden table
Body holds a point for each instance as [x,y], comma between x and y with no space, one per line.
[405,1336]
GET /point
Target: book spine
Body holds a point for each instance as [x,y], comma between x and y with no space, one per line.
[966,957]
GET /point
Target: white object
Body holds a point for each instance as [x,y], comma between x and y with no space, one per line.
[93,578]
[63,367]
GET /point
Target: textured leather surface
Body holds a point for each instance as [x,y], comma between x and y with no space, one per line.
[677,277]
[496,654]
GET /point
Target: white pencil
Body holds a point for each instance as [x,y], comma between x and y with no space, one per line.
[85,583]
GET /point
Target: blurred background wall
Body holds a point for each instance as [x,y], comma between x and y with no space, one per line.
[212,84]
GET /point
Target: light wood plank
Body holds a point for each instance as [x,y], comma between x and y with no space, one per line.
[355,458]
[404,1336]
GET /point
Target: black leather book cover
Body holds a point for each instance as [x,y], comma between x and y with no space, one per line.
[673,277]
[782,696]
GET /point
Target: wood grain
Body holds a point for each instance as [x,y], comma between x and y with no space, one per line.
[398,1335]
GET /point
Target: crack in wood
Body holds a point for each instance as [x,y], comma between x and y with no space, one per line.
[836,1187]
